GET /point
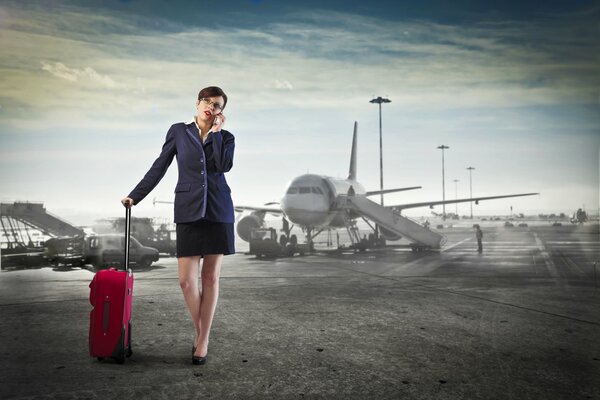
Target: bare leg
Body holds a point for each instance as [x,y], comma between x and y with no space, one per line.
[188,280]
[211,271]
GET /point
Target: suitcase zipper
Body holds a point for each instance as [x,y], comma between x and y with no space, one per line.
[106,311]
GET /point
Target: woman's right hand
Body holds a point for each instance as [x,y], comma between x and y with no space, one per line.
[127,202]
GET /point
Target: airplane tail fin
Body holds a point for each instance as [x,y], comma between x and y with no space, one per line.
[352,172]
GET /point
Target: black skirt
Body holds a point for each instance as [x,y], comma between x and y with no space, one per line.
[203,237]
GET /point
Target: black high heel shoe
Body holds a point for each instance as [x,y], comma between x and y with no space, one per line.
[197,360]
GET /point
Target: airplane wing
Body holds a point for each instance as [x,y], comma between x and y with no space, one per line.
[372,193]
[430,204]
[239,208]
[263,209]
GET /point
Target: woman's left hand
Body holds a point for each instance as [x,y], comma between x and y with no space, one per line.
[218,123]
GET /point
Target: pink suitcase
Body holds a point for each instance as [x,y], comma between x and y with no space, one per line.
[111,294]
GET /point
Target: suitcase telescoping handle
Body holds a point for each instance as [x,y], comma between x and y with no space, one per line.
[127,234]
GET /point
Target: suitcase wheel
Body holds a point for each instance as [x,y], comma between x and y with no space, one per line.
[120,360]
[100,358]
[129,353]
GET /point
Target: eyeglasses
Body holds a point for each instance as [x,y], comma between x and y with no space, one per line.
[216,106]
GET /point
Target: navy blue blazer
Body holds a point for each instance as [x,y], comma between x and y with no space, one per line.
[202,191]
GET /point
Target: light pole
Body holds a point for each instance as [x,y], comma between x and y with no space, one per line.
[456,196]
[443,147]
[471,188]
[380,100]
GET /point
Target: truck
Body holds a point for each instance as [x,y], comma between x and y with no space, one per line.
[66,251]
[100,250]
[264,243]
[164,240]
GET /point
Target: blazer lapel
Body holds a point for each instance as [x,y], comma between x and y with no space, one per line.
[195,137]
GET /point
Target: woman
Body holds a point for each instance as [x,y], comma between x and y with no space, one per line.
[203,207]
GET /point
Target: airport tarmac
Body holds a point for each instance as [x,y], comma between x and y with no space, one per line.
[519,321]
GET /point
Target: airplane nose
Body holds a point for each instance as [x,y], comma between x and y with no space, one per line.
[306,209]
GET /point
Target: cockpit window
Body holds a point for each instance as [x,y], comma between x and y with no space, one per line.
[305,190]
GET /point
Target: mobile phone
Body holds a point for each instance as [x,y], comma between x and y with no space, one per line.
[217,121]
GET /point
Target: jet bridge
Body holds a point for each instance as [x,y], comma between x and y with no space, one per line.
[395,222]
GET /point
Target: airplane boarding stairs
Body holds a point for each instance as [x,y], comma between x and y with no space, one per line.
[34,214]
[395,222]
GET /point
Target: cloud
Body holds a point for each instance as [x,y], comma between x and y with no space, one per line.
[335,60]
[286,85]
[340,55]
[60,70]
[490,87]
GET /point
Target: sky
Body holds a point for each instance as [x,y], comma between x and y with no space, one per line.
[88,90]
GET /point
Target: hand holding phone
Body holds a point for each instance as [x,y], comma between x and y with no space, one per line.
[218,123]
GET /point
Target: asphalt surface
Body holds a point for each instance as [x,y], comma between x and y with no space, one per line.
[520,321]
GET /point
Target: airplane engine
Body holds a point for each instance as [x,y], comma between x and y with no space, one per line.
[388,235]
[249,222]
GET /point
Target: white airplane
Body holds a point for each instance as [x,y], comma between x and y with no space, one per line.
[322,202]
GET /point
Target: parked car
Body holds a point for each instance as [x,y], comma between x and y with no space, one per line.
[109,249]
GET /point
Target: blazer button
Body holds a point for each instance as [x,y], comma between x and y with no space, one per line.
[202,160]
[201,172]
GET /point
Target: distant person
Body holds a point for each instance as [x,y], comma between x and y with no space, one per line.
[479,236]
[286,227]
[203,207]
[581,216]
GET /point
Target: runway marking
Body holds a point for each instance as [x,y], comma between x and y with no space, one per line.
[507,304]
[574,242]
[516,246]
[574,266]
[455,244]
[525,241]
[406,282]
[535,268]
[497,252]
[420,265]
[549,263]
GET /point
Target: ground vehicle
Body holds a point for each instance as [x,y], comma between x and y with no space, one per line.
[108,249]
[67,251]
[20,255]
[263,242]
[164,240]
[579,217]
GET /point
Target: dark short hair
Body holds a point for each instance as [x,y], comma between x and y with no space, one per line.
[213,91]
